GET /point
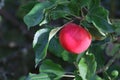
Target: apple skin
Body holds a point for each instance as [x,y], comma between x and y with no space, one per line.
[74,38]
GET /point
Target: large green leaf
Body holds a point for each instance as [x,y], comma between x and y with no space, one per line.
[83,69]
[41,76]
[86,70]
[49,66]
[36,15]
[40,44]
[56,49]
[96,34]
[99,17]
[90,59]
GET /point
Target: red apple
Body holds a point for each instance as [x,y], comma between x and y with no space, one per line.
[74,38]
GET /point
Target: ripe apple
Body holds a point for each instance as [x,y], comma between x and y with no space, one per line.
[74,38]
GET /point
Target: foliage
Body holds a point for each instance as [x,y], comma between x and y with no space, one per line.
[89,64]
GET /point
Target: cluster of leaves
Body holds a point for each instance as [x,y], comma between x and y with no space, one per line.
[88,13]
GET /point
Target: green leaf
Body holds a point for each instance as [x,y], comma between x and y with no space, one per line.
[49,66]
[77,78]
[41,76]
[96,34]
[56,49]
[60,10]
[40,44]
[83,3]
[53,32]
[95,77]
[86,70]
[55,11]
[74,7]
[93,4]
[45,20]
[66,56]
[115,73]
[99,17]
[59,13]
[62,2]
[54,46]
[53,1]
[90,59]
[82,69]
[36,15]
[25,8]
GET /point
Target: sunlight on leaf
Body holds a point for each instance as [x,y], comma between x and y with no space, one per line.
[40,44]
[82,68]
[48,66]
[53,32]
[41,76]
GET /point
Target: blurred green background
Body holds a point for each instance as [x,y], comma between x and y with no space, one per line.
[16,53]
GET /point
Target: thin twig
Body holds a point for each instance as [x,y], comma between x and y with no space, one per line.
[106,67]
[72,76]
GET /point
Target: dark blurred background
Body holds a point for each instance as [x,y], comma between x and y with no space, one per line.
[16,53]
